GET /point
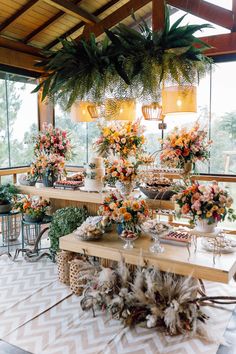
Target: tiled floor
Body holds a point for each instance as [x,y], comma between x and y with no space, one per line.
[6,348]
[230,336]
[40,315]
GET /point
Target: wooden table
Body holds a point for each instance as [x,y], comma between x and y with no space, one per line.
[175,259]
[60,198]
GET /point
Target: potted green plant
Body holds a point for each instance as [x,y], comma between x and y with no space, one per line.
[65,221]
[7,194]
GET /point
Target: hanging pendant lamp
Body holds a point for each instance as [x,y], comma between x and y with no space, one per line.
[152,111]
[79,111]
[120,109]
[179,99]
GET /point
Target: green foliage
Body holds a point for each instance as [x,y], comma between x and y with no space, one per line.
[8,192]
[127,63]
[228,124]
[65,221]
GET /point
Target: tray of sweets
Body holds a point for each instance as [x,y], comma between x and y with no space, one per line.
[68,185]
[178,238]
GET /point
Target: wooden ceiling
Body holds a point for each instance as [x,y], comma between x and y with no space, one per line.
[28,26]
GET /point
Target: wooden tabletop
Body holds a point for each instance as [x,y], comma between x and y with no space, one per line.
[175,259]
[85,197]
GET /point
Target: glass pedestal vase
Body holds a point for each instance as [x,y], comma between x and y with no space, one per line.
[203,226]
[156,246]
[128,233]
[125,188]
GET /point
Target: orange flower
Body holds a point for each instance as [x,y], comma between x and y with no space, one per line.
[127,216]
[185,209]
[123,210]
[186,152]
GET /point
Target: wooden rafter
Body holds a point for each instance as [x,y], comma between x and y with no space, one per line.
[46,24]
[207,11]
[221,44]
[158,14]
[18,59]
[18,46]
[116,17]
[73,10]
[81,24]
[17,14]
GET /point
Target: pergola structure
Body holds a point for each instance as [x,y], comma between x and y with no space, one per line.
[28,26]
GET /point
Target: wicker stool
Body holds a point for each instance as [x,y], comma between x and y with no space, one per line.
[63,267]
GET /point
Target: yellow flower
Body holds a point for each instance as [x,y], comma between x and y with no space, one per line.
[178,142]
[208,214]
[106,131]
[135,206]
[215,207]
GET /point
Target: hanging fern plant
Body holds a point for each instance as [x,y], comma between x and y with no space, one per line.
[127,63]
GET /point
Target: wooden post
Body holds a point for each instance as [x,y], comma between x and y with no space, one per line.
[45,111]
[234,15]
[158,14]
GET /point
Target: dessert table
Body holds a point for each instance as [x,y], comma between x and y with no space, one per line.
[175,259]
[61,198]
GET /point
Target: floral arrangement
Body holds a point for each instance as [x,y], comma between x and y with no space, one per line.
[128,211]
[165,301]
[121,170]
[48,165]
[208,202]
[124,139]
[32,207]
[52,141]
[182,146]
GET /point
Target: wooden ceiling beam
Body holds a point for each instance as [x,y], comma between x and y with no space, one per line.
[18,59]
[113,19]
[221,44]
[81,24]
[20,47]
[17,14]
[46,24]
[207,11]
[158,14]
[73,10]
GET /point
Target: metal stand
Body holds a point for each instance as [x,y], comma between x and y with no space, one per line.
[10,229]
[32,254]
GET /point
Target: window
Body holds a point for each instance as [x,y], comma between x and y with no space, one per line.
[82,136]
[216,113]
[18,119]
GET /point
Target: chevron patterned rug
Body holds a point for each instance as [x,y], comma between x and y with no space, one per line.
[42,316]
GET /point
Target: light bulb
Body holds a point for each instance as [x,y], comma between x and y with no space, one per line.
[179,102]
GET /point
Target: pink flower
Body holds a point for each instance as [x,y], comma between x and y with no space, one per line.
[196,205]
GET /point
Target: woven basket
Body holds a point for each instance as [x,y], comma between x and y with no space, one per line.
[79,269]
[63,266]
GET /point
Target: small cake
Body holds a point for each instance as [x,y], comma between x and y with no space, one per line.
[94,175]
